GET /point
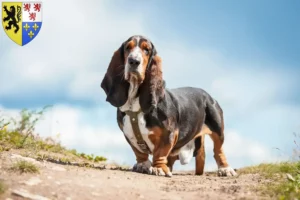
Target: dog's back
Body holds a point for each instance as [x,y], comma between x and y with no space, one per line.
[195,107]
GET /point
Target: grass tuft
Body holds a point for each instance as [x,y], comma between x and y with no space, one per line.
[23,166]
[272,170]
[20,134]
[284,177]
[2,187]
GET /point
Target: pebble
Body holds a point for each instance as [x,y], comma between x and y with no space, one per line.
[32,181]
[61,169]
[95,194]
[17,156]
[57,182]
[290,177]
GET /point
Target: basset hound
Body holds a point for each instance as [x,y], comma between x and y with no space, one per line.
[168,124]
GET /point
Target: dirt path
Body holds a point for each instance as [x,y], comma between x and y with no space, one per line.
[69,182]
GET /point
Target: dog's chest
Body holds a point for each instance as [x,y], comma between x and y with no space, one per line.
[128,129]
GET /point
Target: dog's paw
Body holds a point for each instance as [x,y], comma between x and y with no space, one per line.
[226,171]
[143,167]
[161,171]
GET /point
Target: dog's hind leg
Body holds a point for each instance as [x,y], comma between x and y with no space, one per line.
[199,155]
[214,120]
[223,167]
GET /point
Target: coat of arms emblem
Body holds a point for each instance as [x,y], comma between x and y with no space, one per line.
[22,21]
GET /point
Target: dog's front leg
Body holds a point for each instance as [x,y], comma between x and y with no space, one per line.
[163,141]
[143,164]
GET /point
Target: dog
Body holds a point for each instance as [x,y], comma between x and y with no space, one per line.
[169,124]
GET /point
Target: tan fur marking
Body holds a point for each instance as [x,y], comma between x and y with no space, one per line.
[219,155]
[129,46]
[200,157]
[162,147]
[204,131]
[218,150]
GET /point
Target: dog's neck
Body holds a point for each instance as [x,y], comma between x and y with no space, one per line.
[132,103]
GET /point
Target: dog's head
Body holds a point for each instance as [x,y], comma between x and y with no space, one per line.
[135,64]
[138,52]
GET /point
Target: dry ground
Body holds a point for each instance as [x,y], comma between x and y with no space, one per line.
[55,181]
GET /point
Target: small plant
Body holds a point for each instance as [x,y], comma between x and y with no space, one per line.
[268,170]
[20,134]
[285,176]
[289,189]
[2,187]
[99,159]
[24,167]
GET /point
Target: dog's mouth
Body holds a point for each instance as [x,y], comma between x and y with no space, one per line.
[135,77]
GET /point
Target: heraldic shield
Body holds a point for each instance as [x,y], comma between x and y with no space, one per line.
[22,21]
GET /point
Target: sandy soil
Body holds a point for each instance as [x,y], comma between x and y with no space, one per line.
[69,182]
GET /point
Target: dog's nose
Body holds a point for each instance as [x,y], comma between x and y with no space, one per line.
[134,62]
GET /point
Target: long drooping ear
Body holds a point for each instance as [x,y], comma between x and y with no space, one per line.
[152,88]
[113,83]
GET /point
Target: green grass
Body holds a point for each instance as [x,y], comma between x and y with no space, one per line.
[21,135]
[269,170]
[2,187]
[284,177]
[280,186]
[23,166]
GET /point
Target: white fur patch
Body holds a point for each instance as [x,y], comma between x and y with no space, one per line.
[132,105]
[127,129]
[226,171]
[186,152]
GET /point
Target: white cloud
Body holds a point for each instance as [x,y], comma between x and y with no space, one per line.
[70,56]
[75,131]
[68,50]
[66,124]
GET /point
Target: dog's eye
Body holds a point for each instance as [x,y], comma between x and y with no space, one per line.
[127,48]
[146,51]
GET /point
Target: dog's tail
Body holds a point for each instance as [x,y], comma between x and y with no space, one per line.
[214,118]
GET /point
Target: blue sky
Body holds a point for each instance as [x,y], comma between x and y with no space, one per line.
[244,53]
